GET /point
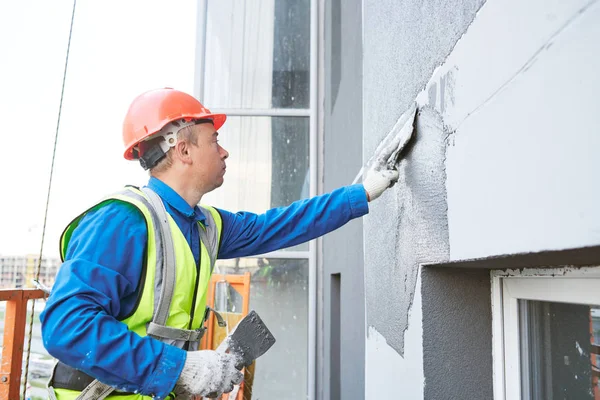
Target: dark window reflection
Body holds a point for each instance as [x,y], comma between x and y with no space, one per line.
[558,342]
[257,54]
[291,54]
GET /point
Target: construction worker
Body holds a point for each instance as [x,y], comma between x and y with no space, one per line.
[121,322]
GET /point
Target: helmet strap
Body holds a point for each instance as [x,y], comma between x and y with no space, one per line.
[153,155]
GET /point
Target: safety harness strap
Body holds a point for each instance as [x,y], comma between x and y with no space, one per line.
[165,289]
[210,237]
[161,252]
[95,391]
[167,332]
[66,377]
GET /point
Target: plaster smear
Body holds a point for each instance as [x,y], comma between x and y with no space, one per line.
[523,114]
[412,229]
[386,370]
[403,42]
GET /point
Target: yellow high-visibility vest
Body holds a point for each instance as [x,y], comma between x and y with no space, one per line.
[185,285]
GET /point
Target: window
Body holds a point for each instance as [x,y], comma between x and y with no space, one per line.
[256,62]
[547,334]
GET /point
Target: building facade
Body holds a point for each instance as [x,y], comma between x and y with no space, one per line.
[476,276]
[482,262]
[20,271]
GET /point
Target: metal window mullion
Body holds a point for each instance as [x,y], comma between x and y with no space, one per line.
[200,49]
[320,135]
[263,112]
[282,254]
[498,352]
[524,349]
[512,351]
[312,261]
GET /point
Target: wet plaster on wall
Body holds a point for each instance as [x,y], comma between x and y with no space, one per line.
[417,233]
[404,41]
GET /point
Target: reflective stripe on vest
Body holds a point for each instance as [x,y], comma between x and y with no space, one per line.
[163,310]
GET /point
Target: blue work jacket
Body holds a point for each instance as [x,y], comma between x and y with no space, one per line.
[99,281]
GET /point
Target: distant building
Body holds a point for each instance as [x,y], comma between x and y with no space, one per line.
[19,271]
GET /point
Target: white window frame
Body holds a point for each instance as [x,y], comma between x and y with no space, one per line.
[564,285]
[312,112]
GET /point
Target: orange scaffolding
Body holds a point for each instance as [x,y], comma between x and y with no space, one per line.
[14,338]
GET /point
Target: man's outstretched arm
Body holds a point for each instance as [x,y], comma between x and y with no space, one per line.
[246,234]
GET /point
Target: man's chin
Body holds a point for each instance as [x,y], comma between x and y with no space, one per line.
[216,185]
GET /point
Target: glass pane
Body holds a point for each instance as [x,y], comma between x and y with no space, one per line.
[558,342]
[279,294]
[257,54]
[227,299]
[267,165]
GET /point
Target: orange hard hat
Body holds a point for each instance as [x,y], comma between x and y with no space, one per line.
[152,110]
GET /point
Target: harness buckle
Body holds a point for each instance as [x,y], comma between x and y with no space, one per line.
[220,319]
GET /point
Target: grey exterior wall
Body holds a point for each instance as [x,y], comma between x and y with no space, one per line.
[504,162]
[342,273]
[457,333]
[404,41]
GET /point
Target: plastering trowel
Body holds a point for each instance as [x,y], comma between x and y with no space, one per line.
[249,339]
[388,153]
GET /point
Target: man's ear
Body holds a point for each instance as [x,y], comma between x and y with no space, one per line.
[182,151]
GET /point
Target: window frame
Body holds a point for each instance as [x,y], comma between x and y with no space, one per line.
[563,285]
[315,164]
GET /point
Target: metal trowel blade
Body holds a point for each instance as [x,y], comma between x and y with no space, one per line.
[402,134]
[250,338]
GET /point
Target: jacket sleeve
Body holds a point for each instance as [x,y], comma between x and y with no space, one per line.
[246,234]
[96,286]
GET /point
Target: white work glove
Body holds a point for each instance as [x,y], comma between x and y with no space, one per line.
[376,182]
[209,374]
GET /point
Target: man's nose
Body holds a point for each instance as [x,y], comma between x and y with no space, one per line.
[224,153]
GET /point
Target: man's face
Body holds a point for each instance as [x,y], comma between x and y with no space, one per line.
[208,157]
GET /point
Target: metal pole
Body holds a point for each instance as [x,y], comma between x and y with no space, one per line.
[313,166]
[267,112]
[200,49]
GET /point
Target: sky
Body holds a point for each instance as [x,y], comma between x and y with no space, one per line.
[119,49]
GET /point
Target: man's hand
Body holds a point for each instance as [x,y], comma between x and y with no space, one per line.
[376,182]
[208,373]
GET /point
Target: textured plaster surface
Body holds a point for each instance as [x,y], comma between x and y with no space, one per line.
[404,41]
[522,162]
[457,333]
[388,372]
[417,233]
